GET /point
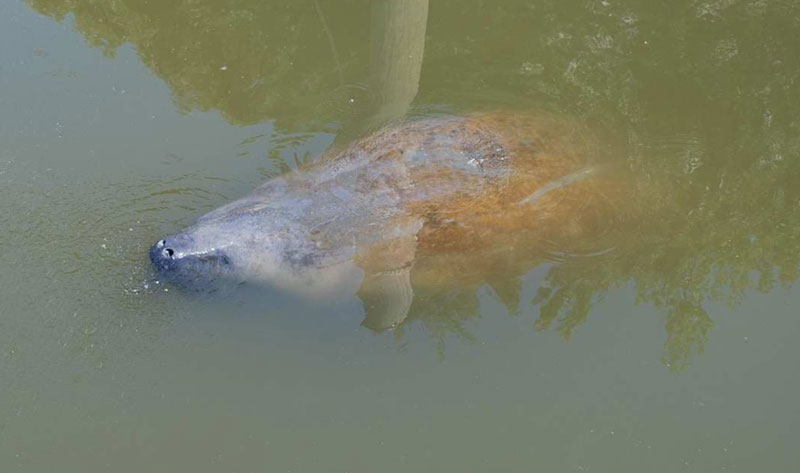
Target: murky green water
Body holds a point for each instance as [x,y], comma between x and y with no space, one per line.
[676,350]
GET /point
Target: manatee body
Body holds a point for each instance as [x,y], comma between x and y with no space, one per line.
[360,219]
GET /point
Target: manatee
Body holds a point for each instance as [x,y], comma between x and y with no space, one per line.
[435,201]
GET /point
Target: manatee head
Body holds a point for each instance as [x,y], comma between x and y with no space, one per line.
[242,241]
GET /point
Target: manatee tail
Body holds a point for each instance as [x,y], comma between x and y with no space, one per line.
[562,181]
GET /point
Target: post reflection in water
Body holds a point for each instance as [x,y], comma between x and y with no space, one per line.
[692,118]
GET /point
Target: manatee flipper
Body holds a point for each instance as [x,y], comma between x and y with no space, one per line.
[386,297]
[386,290]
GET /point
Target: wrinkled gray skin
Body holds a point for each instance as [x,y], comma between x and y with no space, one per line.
[301,231]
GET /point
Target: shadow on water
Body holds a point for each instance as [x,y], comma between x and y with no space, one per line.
[699,109]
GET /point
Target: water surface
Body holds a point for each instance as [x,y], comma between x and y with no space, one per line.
[674,350]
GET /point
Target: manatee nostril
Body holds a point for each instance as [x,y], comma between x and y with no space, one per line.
[170,252]
[161,243]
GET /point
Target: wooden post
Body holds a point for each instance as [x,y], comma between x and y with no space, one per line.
[396,49]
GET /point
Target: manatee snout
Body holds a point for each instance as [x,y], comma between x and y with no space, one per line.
[177,260]
[162,256]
